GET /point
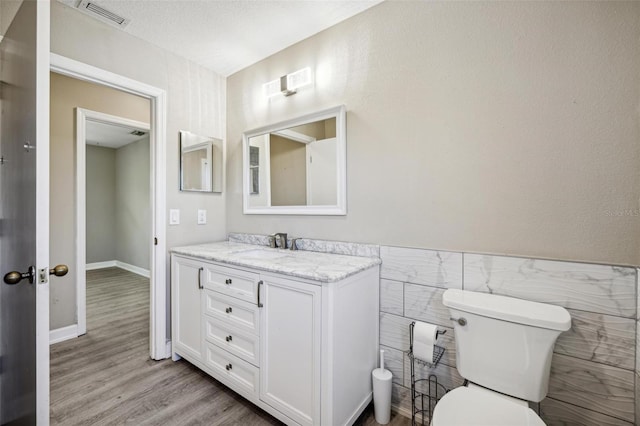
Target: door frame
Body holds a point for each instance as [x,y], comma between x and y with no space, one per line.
[160,346]
[82,116]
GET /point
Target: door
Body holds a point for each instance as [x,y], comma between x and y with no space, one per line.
[24,212]
[290,325]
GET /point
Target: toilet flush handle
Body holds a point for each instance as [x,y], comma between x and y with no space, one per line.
[460,321]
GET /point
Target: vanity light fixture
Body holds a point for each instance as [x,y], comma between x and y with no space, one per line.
[288,84]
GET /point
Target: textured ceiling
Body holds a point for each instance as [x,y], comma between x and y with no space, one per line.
[110,135]
[229,35]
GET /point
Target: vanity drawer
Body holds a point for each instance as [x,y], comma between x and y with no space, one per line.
[233,282]
[242,344]
[240,373]
[243,315]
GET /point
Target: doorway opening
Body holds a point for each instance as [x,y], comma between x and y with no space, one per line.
[159,345]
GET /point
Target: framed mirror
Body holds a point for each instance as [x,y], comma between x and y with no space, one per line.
[297,166]
[200,163]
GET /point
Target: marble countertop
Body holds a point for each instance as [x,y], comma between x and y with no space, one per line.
[323,267]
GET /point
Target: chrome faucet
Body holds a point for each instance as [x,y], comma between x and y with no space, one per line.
[281,240]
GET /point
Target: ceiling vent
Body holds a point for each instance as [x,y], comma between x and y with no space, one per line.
[102,14]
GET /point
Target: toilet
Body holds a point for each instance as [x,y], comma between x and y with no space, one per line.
[504,348]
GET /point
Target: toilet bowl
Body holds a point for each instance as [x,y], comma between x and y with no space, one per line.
[477,406]
[504,348]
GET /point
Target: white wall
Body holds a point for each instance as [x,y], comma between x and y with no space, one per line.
[495,127]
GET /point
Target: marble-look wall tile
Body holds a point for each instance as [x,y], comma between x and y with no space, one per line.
[394,362]
[598,387]
[394,331]
[557,413]
[594,288]
[447,376]
[401,399]
[429,267]
[392,296]
[637,398]
[600,338]
[638,351]
[424,303]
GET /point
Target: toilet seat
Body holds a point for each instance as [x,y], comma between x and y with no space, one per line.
[477,406]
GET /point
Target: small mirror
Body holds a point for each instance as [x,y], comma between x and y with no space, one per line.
[297,166]
[200,163]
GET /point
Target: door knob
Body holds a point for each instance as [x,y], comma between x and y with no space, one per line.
[14,277]
[59,270]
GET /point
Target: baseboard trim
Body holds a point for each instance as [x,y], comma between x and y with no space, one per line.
[132,268]
[100,265]
[64,333]
[118,264]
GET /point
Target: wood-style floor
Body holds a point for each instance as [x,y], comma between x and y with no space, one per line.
[107,378]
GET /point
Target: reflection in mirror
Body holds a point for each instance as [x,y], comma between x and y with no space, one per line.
[200,163]
[297,167]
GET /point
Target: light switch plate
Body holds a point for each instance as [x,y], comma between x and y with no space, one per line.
[202,217]
[174,217]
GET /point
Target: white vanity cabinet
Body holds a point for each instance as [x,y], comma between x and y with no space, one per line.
[300,349]
[186,297]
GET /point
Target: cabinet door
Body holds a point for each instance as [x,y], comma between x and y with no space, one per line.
[186,289]
[290,339]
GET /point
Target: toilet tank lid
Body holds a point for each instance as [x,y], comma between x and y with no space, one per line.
[508,309]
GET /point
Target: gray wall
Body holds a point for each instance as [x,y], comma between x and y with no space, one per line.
[195,102]
[101,204]
[133,212]
[494,127]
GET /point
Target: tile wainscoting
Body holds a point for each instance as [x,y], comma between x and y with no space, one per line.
[594,374]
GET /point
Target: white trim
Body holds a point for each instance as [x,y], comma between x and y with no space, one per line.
[340,208]
[133,268]
[61,334]
[100,265]
[118,264]
[43,27]
[157,96]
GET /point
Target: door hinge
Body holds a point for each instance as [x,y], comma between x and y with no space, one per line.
[155,241]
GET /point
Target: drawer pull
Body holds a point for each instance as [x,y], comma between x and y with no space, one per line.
[228,310]
[228,281]
[260,305]
[228,367]
[200,277]
[229,338]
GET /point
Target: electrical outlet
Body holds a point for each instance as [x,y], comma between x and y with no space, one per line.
[202,217]
[174,217]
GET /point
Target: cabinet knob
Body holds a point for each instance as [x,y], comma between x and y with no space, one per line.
[229,338]
[228,281]
[228,310]
[228,367]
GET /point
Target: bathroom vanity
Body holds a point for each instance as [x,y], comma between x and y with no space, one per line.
[294,332]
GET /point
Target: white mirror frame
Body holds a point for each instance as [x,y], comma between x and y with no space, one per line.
[339,113]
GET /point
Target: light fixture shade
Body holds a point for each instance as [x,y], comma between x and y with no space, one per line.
[272,88]
[299,79]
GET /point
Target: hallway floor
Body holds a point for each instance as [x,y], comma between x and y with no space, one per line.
[106,377]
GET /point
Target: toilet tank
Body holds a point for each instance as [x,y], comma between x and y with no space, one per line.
[505,344]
